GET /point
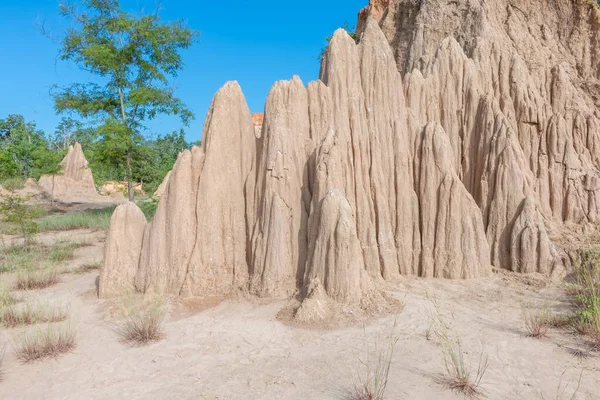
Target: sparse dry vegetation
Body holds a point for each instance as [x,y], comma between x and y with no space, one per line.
[37,279]
[143,323]
[373,382]
[537,322]
[7,299]
[32,313]
[48,343]
[36,256]
[85,268]
[97,220]
[458,375]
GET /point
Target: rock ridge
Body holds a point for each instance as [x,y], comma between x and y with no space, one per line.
[420,151]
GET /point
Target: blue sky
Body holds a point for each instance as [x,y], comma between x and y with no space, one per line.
[255,43]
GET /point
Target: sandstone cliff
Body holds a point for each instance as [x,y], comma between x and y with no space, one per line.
[455,136]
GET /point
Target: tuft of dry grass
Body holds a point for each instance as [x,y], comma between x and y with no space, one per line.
[536,322]
[32,313]
[458,375]
[37,279]
[84,269]
[143,324]
[373,383]
[43,344]
[559,321]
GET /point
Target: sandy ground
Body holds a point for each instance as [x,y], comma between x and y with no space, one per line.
[240,350]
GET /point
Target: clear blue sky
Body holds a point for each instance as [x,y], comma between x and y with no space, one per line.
[253,42]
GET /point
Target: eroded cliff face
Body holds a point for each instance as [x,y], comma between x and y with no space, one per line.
[515,86]
[429,149]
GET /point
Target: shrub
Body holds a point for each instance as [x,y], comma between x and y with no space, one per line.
[16,211]
[48,343]
[12,184]
[587,295]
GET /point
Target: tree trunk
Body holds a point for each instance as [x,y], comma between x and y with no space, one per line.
[129,180]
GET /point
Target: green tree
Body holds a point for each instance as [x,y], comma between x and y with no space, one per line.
[155,158]
[24,150]
[134,56]
[70,131]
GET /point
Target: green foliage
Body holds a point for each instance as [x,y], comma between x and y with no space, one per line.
[14,210]
[134,56]
[587,294]
[351,33]
[149,208]
[153,159]
[24,150]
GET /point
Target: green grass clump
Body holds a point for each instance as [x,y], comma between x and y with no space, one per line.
[91,219]
[62,251]
[36,256]
[587,295]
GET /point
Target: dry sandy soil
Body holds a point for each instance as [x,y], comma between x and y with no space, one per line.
[239,349]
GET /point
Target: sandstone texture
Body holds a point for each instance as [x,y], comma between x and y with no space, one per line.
[122,250]
[453,138]
[76,183]
[160,190]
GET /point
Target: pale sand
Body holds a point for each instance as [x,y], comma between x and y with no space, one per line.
[240,350]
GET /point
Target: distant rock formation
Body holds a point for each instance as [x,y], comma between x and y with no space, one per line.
[160,190]
[113,187]
[76,184]
[452,137]
[258,120]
